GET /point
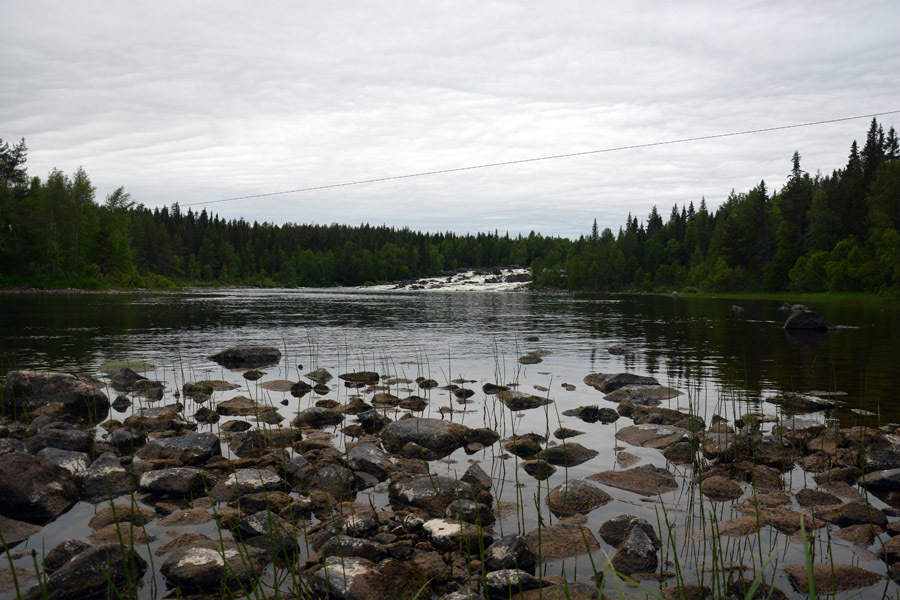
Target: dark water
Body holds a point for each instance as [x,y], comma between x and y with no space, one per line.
[727,361]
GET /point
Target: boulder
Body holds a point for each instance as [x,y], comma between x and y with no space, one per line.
[126,440]
[567,537]
[267,530]
[568,454]
[247,481]
[510,552]
[516,400]
[608,383]
[652,436]
[637,554]
[34,490]
[615,531]
[27,390]
[369,458]
[430,493]
[62,553]
[189,449]
[71,461]
[91,573]
[441,437]
[247,357]
[212,567]
[105,479]
[807,320]
[317,417]
[576,496]
[177,481]
[63,439]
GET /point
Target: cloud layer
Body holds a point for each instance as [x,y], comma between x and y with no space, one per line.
[199,101]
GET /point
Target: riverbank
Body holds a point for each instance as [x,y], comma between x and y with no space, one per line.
[374,483]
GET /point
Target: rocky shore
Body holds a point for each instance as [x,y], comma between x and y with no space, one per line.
[262,504]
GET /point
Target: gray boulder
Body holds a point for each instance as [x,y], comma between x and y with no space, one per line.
[441,437]
[27,390]
[637,554]
[71,461]
[249,357]
[90,573]
[177,481]
[34,490]
[510,552]
[210,568]
[189,449]
[807,320]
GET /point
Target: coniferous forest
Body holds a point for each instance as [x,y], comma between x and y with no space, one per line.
[834,232]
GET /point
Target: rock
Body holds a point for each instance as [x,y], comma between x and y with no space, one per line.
[782,519]
[476,476]
[430,493]
[801,402]
[105,479]
[739,589]
[607,383]
[344,545]
[182,542]
[463,393]
[189,449]
[852,513]
[720,489]
[90,573]
[248,357]
[212,567]
[350,578]
[125,440]
[454,535]
[567,454]
[637,554]
[241,406]
[679,453]
[506,583]
[576,496]
[265,529]
[177,481]
[592,414]
[369,458]
[181,518]
[646,480]
[863,534]
[516,400]
[117,532]
[27,390]
[336,481]
[470,512]
[564,433]
[34,490]
[427,384]
[153,390]
[652,436]
[539,469]
[320,376]
[808,320]
[317,417]
[615,531]
[813,497]
[253,374]
[63,439]
[646,395]
[882,481]
[492,388]
[510,552]
[372,420]
[247,481]
[62,553]
[71,461]
[831,578]
[688,591]
[15,532]
[525,445]
[567,537]
[121,513]
[441,437]
[360,377]
[257,442]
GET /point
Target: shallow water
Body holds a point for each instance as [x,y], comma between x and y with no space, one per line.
[728,361]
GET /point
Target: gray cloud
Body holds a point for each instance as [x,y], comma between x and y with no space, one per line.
[191,102]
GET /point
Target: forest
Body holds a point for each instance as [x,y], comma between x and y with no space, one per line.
[834,232]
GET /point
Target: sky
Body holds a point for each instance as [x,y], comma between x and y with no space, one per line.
[199,101]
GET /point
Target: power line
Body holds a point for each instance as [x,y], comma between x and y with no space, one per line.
[542,158]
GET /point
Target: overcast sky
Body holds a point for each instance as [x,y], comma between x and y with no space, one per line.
[198,101]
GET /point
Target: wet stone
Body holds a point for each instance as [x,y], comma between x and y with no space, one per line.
[539,469]
[317,417]
[62,553]
[647,480]
[451,535]
[831,578]
[191,516]
[721,489]
[576,496]
[436,435]
[814,497]
[71,461]
[247,481]
[211,567]
[637,554]
[470,512]
[105,479]
[34,490]
[499,584]
[120,513]
[344,545]
[615,531]
[430,493]
[567,537]
[14,531]
[178,481]
[91,572]
[651,436]
[238,357]
[190,449]
[568,454]
[510,552]
[515,400]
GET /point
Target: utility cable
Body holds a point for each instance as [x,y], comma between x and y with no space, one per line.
[543,158]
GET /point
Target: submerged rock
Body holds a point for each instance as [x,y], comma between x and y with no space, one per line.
[646,480]
[831,578]
[576,496]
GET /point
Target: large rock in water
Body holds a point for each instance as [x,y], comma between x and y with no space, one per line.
[441,437]
[808,320]
[90,573]
[189,449]
[27,390]
[213,567]
[576,496]
[608,383]
[34,490]
[249,357]
[430,493]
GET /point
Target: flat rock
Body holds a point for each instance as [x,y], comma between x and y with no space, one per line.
[121,513]
[14,531]
[831,578]
[646,480]
[721,489]
[241,406]
[317,416]
[651,436]
[567,537]
[643,394]
[568,454]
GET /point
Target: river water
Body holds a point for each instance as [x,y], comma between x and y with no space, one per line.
[726,359]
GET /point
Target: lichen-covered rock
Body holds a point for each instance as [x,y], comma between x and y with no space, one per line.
[637,554]
[34,490]
[72,461]
[176,481]
[510,552]
[430,493]
[247,481]
[210,568]
[470,512]
[369,458]
[105,479]
[452,535]
[506,583]
[189,449]
[90,572]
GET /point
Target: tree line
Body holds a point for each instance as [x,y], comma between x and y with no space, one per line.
[834,232]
